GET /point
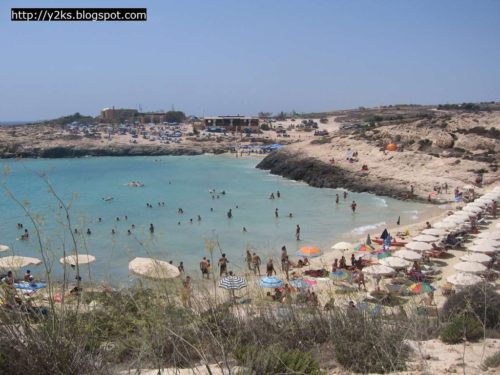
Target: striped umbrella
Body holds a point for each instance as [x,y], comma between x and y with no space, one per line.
[308,252]
[421,287]
[270,282]
[232,282]
[340,275]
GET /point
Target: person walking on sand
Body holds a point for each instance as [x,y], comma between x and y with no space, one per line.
[353,206]
[270,267]
[248,259]
[223,265]
[297,232]
[256,264]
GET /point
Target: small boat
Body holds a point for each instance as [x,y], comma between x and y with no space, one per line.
[135,184]
[394,242]
[107,199]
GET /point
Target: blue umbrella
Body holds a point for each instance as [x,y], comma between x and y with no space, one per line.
[299,284]
[270,282]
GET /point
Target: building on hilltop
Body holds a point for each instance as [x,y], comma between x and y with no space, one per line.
[113,115]
[232,123]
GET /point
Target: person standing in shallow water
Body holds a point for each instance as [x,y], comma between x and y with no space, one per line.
[336,198]
[230,213]
[345,194]
[248,259]
[353,206]
[297,232]
[276,213]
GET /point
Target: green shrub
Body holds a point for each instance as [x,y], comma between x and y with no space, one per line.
[480,301]
[365,343]
[493,361]
[461,327]
[275,360]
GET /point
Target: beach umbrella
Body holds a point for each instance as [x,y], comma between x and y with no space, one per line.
[489,235]
[444,225]
[425,238]
[469,187]
[383,254]
[363,247]
[464,279]
[15,262]
[464,214]
[379,270]
[4,248]
[299,284]
[470,267]
[476,257]
[395,262]
[455,219]
[407,254]
[478,203]
[309,252]
[486,242]
[497,225]
[232,282]
[418,246]
[153,269]
[339,275]
[342,246]
[434,232]
[420,288]
[73,260]
[270,282]
[474,209]
[482,249]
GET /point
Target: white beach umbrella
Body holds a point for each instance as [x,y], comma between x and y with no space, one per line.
[378,270]
[425,238]
[394,262]
[79,259]
[16,262]
[486,242]
[489,235]
[470,267]
[445,225]
[464,279]
[469,187]
[407,254]
[482,249]
[342,246]
[465,214]
[153,269]
[472,209]
[418,246]
[435,232]
[455,219]
[478,203]
[497,225]
[4,248]
[476,257]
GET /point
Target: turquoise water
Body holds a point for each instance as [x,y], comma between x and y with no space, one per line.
[181,182]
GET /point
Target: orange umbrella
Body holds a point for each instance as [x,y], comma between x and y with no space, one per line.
[391,147]
[309,252]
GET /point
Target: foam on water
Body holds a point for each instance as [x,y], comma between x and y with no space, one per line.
[365,228]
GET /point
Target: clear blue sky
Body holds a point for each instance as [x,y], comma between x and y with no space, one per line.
[228,57]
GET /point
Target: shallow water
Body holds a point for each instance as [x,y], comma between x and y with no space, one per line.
[180,182]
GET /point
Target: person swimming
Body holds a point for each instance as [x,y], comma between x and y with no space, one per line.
[230,213]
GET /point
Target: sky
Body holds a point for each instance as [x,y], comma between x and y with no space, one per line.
[215,57]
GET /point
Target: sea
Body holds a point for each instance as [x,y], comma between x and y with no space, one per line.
[34,189]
